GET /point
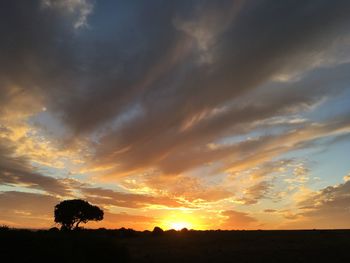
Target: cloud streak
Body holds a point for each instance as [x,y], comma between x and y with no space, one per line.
[16,171]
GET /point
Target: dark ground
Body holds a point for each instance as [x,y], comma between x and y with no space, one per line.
[187,246]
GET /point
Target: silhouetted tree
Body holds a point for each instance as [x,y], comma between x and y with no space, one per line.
[70,213]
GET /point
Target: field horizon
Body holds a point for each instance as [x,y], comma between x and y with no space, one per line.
[127,245]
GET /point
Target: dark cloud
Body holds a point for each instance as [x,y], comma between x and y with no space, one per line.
[155,138]
[93,75]
[16,171]
[256,192]
[34,54]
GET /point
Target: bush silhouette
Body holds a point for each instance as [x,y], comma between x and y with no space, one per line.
[184,230]
[61,247]
[53,229]
[4,228]
[70,213]
[157,231]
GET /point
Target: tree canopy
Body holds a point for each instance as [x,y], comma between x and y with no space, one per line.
[70,213]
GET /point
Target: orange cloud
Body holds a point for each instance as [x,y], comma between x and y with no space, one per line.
[238,220]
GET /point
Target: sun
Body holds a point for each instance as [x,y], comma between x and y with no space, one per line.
[180,219]
[179,225]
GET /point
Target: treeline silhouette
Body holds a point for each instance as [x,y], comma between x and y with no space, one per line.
[60,246]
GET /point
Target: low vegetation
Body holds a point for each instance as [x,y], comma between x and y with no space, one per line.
[127,245]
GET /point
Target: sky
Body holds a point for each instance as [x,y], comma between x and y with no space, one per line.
[199,114]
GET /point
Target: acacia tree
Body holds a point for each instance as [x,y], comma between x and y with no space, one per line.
[70,213]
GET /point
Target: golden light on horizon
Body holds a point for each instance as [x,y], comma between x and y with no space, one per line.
[179,220]
[180,225]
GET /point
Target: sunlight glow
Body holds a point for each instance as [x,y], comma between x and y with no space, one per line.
[180,225]
[181,219]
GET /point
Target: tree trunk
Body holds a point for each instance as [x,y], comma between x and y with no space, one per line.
[77,225]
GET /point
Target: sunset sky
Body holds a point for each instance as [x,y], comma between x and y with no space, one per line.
[198,114]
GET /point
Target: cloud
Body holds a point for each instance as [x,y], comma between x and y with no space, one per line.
[83,8]
[113,198]
[176,151]
[166,81]
[16,171]
[237,220]
[256,192]
[268,168]
[347,178]
[188,189]
[261,149]
[328,208]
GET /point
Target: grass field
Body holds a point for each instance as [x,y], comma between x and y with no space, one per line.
[171,246]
